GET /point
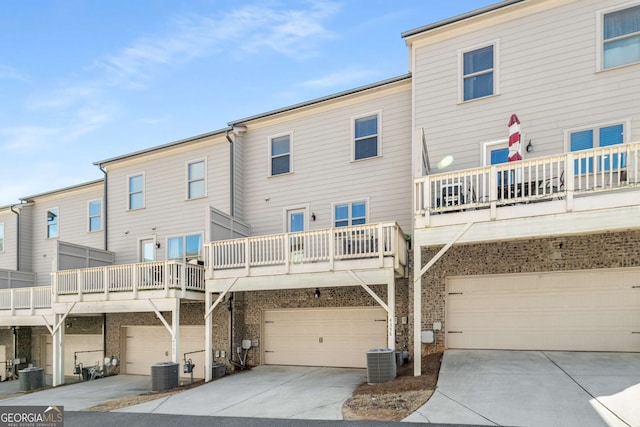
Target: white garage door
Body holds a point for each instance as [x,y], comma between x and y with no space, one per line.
[147,345]
[89,348]
[595,310]
[337,337]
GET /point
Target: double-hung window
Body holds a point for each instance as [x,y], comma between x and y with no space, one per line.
[52,223]
[196,183]
[280,155]
[95,215]
[354,213]
[136,191]
[1,237]
[185,248]
[366,136]
[601,136]
[621,37]
[478,72]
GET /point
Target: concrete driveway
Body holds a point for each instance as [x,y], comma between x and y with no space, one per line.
[78,396]
[534,388]
[266,392]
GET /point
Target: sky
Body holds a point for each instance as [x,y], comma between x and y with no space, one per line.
[87,80]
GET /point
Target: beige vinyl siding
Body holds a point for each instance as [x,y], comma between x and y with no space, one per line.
[72,226]
[26,238]
[167,212]
[8,255]
[547,75]
[323,172]
[239,177]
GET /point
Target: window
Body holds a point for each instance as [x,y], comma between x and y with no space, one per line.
[176,248]
[621,37]
[601,136]
[1,237]
[346,214]
[52,223]
[366,139]
[196,186]
[95,215]
[280,155]
[478,69]
[136,192]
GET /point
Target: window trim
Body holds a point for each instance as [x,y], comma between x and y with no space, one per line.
[187,181]
[285,216]
[600,36]
[184,245]
[101,215]
[489,146]
[626,126]
[367,213]
[496,69]
[270,138]
[57,209]
[378,114]
[144,190]
[2,237]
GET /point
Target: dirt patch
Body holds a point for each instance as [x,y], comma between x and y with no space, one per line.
[396,399]
[141,398]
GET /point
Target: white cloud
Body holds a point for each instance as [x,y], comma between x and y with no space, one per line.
[10,73]
[347,77]
[25,138]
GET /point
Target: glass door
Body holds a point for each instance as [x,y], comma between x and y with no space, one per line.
[295,223]
[147,250]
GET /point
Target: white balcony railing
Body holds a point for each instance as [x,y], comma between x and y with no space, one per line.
[326,245]
[162,275]
[16,279]
[25,298]
[544,178]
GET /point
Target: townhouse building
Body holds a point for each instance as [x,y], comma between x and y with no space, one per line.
[310,234]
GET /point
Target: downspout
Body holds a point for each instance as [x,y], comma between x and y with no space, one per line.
[232,183]
[105,227]
[17,237]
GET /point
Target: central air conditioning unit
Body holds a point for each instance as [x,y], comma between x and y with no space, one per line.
[381,365]
[31,379]
[164,376]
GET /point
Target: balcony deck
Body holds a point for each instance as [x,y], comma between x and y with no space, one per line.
[315,258]
[577,192]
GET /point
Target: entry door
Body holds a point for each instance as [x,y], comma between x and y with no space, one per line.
[147,250]
[295,223]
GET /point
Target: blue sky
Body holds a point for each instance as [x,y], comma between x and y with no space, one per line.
[86,80]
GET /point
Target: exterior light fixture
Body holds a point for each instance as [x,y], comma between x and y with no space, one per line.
[317,293]
[529,147]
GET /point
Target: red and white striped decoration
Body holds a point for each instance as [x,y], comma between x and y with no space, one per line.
[515,149]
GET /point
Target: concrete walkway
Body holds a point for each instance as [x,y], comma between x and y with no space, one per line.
[533,388]
[79,396]
[266,392]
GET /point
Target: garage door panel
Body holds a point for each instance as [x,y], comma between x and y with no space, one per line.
[323,337]
[583,310]
[86,348]
[148,345]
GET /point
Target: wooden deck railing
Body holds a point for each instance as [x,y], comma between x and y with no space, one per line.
[333,244]
[543,178]
[25,298]
[161,275]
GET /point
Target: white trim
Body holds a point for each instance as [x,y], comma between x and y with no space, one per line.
[378,114]
[89,230]
[490,146]
[140,240]
[367,213]
[495,70]
[57,209]
[299,208]
[2,237]
[144,188]
[600,35]
[204,178]
[269,157]
[626,131]
[184,243]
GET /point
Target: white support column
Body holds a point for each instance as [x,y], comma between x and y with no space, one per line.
[417,294]
[175,332]
[391,312]
[58,350]
[208,339]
